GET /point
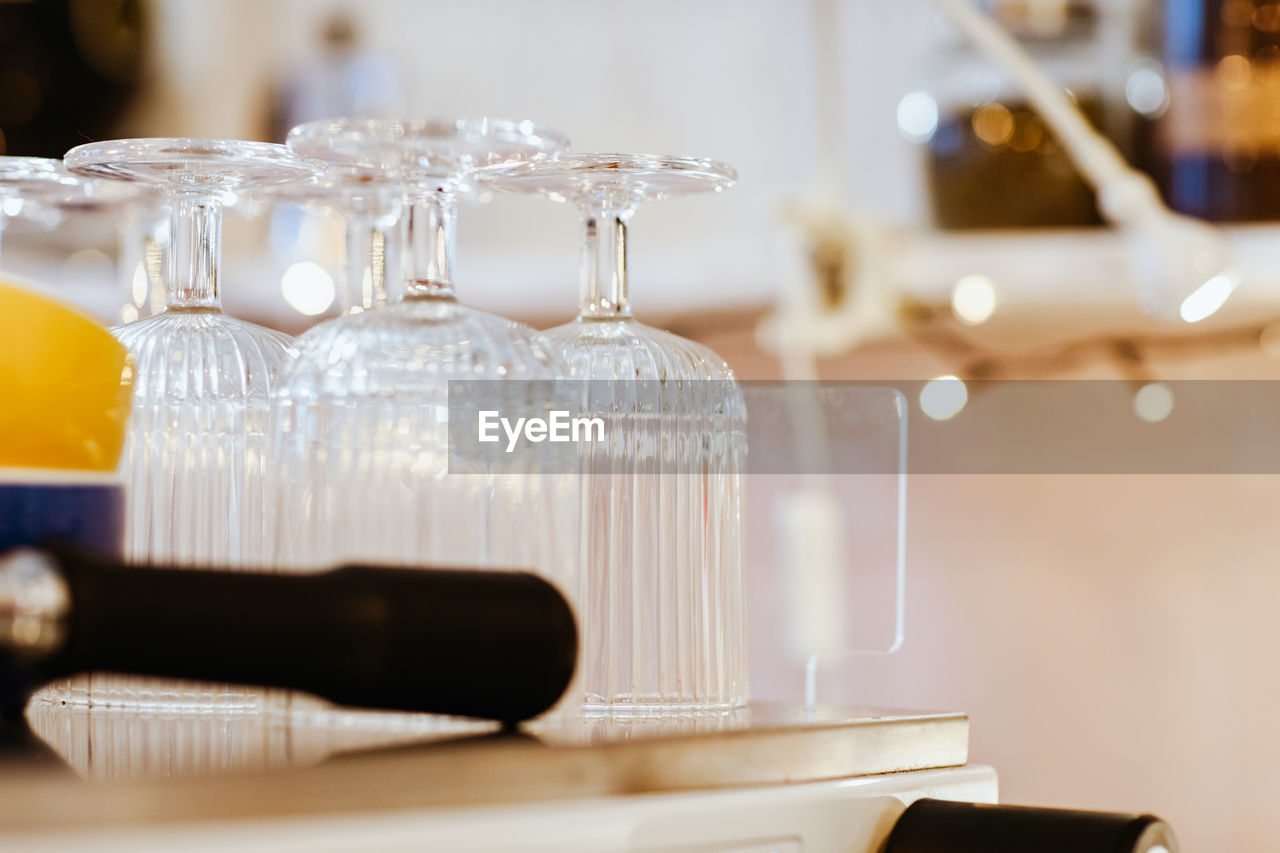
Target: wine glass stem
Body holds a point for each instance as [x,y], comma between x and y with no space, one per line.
[432,238]
[195,249]
[358,292]
[366,284]
[604,264]
[156,258]
[130,255]
[380,243]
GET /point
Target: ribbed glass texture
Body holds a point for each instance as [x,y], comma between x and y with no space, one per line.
[363,436]
[195,460]
[194,464]
[363,417]
[663,621]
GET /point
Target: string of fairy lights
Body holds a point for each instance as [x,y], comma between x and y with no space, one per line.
[848,287]
[940,329]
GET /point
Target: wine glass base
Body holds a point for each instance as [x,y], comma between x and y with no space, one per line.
[404,151]
[223,164]
[616,179]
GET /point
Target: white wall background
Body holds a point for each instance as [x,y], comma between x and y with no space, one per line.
[734,80]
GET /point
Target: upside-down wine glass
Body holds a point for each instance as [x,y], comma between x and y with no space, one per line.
[663,622]
[194,460]
[194,464]
[363,433]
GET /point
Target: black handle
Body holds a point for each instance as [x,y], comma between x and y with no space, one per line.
[942,826]
[493,644]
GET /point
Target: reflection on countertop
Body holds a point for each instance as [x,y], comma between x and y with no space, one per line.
[104,737]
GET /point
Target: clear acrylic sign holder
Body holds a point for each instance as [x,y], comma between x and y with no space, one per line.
[827,486]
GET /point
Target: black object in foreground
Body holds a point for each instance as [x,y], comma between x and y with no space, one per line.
[940,826]
[493,644]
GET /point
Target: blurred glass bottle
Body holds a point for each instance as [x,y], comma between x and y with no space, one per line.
[1216,149]
[991,161]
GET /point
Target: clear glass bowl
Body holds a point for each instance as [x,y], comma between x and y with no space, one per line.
[363,438]
[363,441]
[663,622]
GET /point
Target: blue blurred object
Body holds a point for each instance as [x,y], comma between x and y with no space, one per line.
[37,510]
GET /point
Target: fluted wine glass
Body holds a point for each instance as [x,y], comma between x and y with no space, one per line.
[194,460]
[363,433]
[663,622]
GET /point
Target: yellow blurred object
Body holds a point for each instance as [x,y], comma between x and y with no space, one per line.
[65,384]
